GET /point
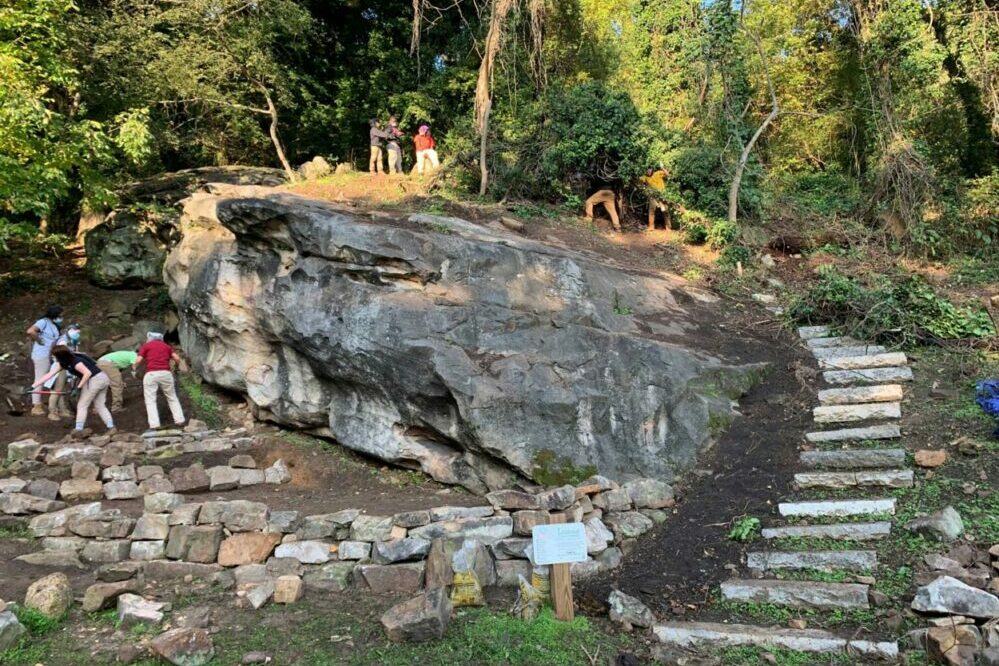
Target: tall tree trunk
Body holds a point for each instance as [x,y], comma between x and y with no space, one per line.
[272,110]
[733,192]
[483,87]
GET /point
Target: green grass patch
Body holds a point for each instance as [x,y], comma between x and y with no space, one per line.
[753,656]
[36,623]
[20,532]
[820,576]
[206,406]
[774,614]
[484,637]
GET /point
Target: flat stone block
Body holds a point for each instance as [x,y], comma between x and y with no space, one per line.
[889,478]
[837,507]
[855,459]
[843,531]
[889,431]
[827,353]
[868,376]
[810,332]
[797,594]
[851,413]
[832,341]
[823,560]
[861,394]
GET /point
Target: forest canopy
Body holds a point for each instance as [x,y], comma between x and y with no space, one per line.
[887,110]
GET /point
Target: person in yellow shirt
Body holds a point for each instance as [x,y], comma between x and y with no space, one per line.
[655,181]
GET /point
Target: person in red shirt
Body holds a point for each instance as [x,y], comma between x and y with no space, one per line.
[158,356]
[425,149]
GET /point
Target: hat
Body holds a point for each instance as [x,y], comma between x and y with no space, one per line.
[424,129]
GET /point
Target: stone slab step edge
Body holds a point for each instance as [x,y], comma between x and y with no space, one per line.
[838,531]
[867,376]
[809,332]
[711,636]
[869,411]
[885,431]
[886,478]
[834,341]
[853,350]
[823,560]
[853,458]
[797,593]
[857,395]
[817,508]
[888,360]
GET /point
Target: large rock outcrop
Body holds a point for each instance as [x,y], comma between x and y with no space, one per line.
[477,355]
[127,246]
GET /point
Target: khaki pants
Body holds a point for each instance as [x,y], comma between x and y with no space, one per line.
[655,205]
[57,401]
[117,383]
[375,162]
[423,156]
[161,380]
[95,391]
[394,158]
[607,199]
[41,366]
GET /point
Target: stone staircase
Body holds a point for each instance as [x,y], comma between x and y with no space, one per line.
[863,404]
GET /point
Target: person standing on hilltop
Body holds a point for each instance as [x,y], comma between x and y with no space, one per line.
[394,149]
[112,364]
[158,356]
[43,334]
[376,134]
[426,149]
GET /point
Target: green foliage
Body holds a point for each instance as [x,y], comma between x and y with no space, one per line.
[35,622]
[755,656]
[745,528]
[721,234]
[898,308]
[735,254]
[206,406]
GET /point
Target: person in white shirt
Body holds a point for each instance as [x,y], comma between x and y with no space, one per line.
[43,333]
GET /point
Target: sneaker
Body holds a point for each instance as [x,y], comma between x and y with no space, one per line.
[38,410]
[82,434]
[65,413]
[54,417]
[111,432]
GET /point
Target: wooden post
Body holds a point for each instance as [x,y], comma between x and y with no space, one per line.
[561,583]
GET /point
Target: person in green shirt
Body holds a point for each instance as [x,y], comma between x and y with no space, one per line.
[112,364]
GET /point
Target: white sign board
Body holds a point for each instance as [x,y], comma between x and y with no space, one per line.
[559,544]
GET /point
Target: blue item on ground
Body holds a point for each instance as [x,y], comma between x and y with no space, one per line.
[987,397]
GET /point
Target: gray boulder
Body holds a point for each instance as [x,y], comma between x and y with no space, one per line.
[628,609]
[950,596]
[468,351]
[420,619]
[945,524]
[184,647]
[10,630]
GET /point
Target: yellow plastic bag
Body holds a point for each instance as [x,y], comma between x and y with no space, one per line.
[530,600]
[466,590]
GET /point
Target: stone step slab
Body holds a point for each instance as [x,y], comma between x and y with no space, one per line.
[819,508]
[712,636]
[823,560]
[840,531]
[810,332]
[889,360]
[885,431]
[889,478]
[861,394]
[853,413]
[797,593]
[853,459]
[833,341]
[868,376]
[851,350]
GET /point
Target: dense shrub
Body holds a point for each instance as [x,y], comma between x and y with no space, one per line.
[897,308]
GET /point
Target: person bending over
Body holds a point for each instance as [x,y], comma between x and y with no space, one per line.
[93,386]
[158,356]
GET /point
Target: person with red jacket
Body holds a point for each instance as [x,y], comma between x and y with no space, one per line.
[158,356]
[425,149]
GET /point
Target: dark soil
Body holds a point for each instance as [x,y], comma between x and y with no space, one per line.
[675,568]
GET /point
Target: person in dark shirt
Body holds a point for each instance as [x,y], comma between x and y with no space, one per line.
[93,387]
[376,134]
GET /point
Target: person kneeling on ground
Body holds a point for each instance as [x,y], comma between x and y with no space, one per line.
[112,364]
[158,356]
[426,149]
[93,387]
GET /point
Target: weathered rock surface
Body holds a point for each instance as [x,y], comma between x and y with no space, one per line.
[184,647]
[469,353]
[10,630]
[51,596]
[945,524]
[625,608]
[951,596]
[421,618]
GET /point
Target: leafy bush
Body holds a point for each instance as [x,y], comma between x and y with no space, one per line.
[721,234]
[899,308]
[734,254]
[695,225]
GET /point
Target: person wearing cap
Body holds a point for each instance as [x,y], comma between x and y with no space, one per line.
[43,334]
[425,149]
[58,405]
[158,357]
[112,364]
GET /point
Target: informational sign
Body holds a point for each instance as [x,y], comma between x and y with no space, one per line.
[559,544]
